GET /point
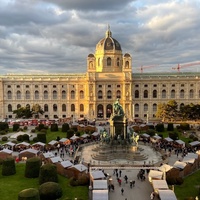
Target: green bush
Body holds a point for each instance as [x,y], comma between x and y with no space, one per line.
[40,127]
[43,131]
[32,168]
[48,173]
[29,194]
[170,127]
[15,127]
[173,135]
[33,131]
[25,128]
[70,133]
[25,137]
[50,191]
[4,138]
[151,132]
[2,132]
[54,127]
[4,126]
[65,127]
[41,137]
[8,167]
[160,128]
[185,126]
[19,138]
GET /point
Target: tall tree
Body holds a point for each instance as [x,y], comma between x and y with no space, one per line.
[23,112]
[37,109]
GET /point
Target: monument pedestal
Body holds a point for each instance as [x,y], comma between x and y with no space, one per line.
[118,127]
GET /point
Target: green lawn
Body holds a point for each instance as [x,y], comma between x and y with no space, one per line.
[190,187]
[10,186]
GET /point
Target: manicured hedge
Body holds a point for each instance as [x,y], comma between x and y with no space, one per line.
[48,173]
[41,137]
[50,191]
[8,167]
[32,169]
[29,194]
[65,127]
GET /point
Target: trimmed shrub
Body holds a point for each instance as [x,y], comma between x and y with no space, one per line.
[43,131]
[173,135]
[70,133]
[170,127]
[4,126]
[25,128]
[65,127]
[151,132]
[2,132]
[48,173]
[15,127]
[160,128]
[54,127]
[19,138]
[32,169]
[8,167]
[41,137]
[33,131]
[29,194]
[185,126]
[50,191]
[40,127]
[25,137]
[4,138]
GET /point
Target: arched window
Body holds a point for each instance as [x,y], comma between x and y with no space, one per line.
[28,95]
[18,106]
[137,93]
[55,108]
[154,93]
[145,107]
[154,107]
[81,107]
[109,94]
[45,94]
[9,108]
[137,107]
[164,94]
[72,94]
[108,61]
[9,95]
[191,94]
[18,94]
[118,62]
[81,94]
[100,111]
[100,94]
[64,94]
[64,108]
[72,108]
[46,108]
[172,93]
[126,64]
[54,94]
[118,94]
[182,94]
[36,94]
[146,94]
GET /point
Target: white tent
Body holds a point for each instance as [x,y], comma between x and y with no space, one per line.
[167,195]
[56,159]
[80,167]
[74,137]
[194,143]
[48,155]
[97,175]
[179,165]
[100,185]
[100,195]
[165,168]
[159,184]
[154,174]
[66,164]
[190,158]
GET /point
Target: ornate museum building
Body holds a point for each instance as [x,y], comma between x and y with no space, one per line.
[109,76]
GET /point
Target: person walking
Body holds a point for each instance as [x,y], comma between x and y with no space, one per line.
[122,191]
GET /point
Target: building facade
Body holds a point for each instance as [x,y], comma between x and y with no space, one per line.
[109,76]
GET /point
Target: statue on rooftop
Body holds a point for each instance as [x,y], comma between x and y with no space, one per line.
[118,110]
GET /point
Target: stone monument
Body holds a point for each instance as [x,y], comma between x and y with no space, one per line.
[118,122]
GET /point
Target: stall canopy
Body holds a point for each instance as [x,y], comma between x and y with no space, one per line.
[100,194]
[56,159]
[194,143]
[66,164]
[165,168]
[190,158]
[100,185]
[97,175]
[167,195]
[159,185]
[154,174]
[168,139]
[179,165]
[180,142]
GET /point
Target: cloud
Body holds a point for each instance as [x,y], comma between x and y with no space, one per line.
[55,36]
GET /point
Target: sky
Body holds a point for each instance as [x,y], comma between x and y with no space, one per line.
[56,36]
